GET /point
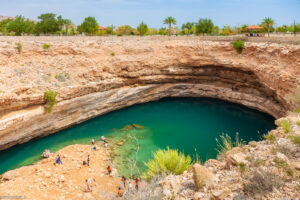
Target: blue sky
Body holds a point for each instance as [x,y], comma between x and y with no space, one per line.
[152,12]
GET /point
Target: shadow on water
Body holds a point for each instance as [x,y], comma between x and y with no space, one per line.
[182,123]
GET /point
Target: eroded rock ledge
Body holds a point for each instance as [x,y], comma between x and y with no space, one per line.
[91,81]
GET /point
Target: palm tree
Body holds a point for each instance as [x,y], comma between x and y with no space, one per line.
[268,21]
[170,20]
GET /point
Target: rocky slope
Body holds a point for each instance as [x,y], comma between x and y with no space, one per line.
[96,75]
[269,169]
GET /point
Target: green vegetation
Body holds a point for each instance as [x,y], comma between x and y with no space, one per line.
[188,28]
[242,167]
[142,29]
[295,140]
[113,54]
[298,123]
[51,24]
[285,166]
[225,144]
[204,26]
[125,30]
[50,98]
[297,110]
[268,22]
[270,137]
[46,46]
[285,124]
[281,149]
[89,26]
[170,20]
[167,162]
[239,46]
[19,47]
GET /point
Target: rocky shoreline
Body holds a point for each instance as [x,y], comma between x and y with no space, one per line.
[269,169]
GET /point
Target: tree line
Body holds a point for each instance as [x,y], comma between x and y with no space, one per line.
[51,24]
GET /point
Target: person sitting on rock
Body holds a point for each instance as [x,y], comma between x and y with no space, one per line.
[93,141]
[46,153]
[106,144]
[88,160]
[102,138]
[94,148]
[58,160]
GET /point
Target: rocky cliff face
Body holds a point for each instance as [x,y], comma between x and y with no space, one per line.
[96,75]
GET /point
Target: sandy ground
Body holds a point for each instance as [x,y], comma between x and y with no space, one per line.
[45,180]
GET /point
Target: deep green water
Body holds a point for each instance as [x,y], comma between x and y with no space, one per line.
[189,124]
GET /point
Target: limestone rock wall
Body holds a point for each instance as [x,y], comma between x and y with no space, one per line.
[92,81]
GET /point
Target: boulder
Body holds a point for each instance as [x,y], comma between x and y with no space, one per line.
[280,157]
[203,177]
[201,196]
[237,158]
[220,194]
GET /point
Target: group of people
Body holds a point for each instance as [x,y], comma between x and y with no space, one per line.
[130,190]
[121,190]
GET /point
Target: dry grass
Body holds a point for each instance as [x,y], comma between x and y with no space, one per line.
[260,182]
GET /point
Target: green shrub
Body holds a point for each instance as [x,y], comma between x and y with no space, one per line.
[270,137]
[50,98]
[167,162]
[297,110]
[239,46]
[46,46]
[296,140]
[19,47]
[285,124]
[298,123]
[285,166]
[225,144]
[113,54]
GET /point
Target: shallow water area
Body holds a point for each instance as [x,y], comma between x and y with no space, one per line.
[188,124]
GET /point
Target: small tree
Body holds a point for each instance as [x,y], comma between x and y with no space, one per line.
[89,26]
[268,22]
[170,20]
[226,30]
[20,25]
[48,24]
[187,28]
[204,26]
[50,98]
[125,30]
[142,29]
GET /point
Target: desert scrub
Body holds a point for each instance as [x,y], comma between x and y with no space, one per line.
[167,162]
[270,137]
[261,182]
[50,98]
[239,46]
[282,149]
[285,124]
[113,54]
[295,140]
[285,166]
[19,47]
[298,123]
[225,143]
[297,110]
[242,167]
[46,46]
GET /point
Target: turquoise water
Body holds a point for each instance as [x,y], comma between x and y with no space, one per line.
[187,124]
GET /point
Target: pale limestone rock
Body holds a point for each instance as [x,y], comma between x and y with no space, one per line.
[237,158]
[10,175]
[203,177]
[280,157]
